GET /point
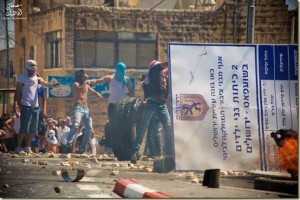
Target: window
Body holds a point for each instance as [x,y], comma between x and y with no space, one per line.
[105,49]
[32,52]
[53,49]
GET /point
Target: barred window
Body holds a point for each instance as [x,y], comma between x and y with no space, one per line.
[53,49]
[105,49]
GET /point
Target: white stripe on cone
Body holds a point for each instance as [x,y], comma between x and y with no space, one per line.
[136,191]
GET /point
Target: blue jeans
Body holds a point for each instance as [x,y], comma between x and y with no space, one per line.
[81,113]
[153,138]
[29,120]
[161,112]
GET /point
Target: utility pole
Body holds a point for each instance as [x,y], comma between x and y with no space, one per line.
[7,61]
[250,22]
[7,46]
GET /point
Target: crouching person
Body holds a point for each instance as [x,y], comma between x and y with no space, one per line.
[52,142]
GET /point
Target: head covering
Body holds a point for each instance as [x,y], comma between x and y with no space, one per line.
[31,65]
[51,138]
[120,73]
[151,64]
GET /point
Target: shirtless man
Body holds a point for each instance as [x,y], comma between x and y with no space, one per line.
[81,111]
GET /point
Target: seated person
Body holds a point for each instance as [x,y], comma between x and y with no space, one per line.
[6,136]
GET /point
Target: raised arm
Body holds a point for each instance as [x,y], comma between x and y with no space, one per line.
[101,80]
[47,84]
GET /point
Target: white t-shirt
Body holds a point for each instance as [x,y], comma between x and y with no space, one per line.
[62,134]
[116,90]
[29,90]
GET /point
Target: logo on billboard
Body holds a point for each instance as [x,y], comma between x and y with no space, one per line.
[191,107]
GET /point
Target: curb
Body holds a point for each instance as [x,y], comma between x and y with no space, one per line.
[130,189]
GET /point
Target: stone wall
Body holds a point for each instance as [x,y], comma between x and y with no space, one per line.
[227,24]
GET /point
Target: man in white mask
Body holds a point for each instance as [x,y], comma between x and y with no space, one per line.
[26,99]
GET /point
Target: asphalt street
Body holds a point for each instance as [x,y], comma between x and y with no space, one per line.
[39,176]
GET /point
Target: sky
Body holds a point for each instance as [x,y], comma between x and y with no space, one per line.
[3,27]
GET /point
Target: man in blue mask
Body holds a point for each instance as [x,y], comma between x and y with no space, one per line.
[119,87]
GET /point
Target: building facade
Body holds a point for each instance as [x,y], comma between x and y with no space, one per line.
[80,35]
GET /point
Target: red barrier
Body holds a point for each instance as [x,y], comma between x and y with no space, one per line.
[130,189]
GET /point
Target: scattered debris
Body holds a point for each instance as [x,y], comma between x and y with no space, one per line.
[6,185]
[190,175]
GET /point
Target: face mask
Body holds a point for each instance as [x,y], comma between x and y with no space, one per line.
[30,73]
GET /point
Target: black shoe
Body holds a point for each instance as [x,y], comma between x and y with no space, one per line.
[42,150]
[102,141]
[133,159]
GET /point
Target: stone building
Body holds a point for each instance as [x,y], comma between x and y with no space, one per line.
[88,35]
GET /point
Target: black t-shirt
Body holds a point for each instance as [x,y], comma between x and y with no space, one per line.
[158,84]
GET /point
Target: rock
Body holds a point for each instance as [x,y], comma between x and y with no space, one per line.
[223,173]
[23,153]
[56,172]
[84,156]
[65,164]
[230,172]
[149,170]
[68,156]
[58,189]
[74,163]
[6,185]
[190,175]
[42,162]
[141,167]
[25,160]
[114,172]
[115,165]
[87,165]
[195,180]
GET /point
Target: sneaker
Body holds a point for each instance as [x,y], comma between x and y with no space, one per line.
[102,141]
[28,150]
[133,159]
[42,150]
[18,150]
